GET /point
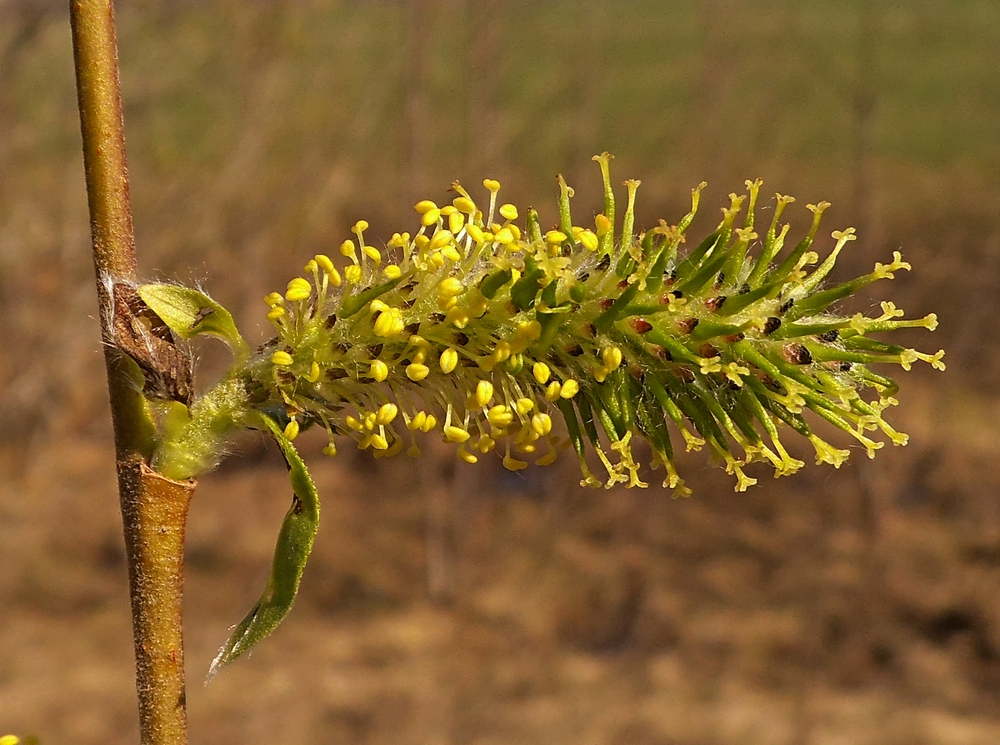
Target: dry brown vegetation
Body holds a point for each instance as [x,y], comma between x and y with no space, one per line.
[448,604]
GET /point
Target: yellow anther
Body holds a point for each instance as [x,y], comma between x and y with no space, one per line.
[524,405]
[553,391]
[275,298]
[389,323]
[416,371]
[455,434]
[612,357]
[485,444]
[516,231]
[421,241]
[508,211]
[330,450]
[298,289]
[588,239]
[475,232]
[377,306]
[555,237]
[311,266]
[451,287]
[541,423]
[347,249]
[369,421]
[281,358]
[500,416]
[372,253]
[512,464]
[354,423]
[548,459]
[455,222]
[292,429]
[600,373]
[359,226]
[569,389]
[392,271]
[529,330]
[491,184]
[379,371]
[417,422]
[430,217]
[478,305]
[484,393]
[451,254]
[502,351]
[386,414]
[459,317]
[603,225]
[313,374]
[464,204]
[441,239]
[275,313]
[429,423]
[353,274]
[541,372]
[467,456]
[424,206]
[324,263]
[379,442]
[504,236]
[448,360]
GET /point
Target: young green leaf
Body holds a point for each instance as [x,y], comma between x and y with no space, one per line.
[189,312]
[295,541]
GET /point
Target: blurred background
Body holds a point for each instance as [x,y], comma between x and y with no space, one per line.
[453,604]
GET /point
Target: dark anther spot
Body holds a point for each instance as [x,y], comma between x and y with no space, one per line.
[662,353]
[641,325]
[714,303]
[785,306]
[330,321]
[201,315]
[744,288]
[285,377]
[342,347]
[606,303]
[408,302]
[375,350]
[584,277]
[623,284]
[844,366]
[797,354]
[461,338]
[589,329]
[687,325]
[438,317]
[771,325]
[412,328]
[336,373]
[605,263]
[733,338]
[830,336]
[708,351]
[575,351]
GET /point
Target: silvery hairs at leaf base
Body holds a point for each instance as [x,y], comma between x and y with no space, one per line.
[486,331]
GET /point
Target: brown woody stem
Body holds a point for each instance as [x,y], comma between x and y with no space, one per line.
[154,508]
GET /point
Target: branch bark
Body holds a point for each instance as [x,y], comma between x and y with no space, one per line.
[154,508]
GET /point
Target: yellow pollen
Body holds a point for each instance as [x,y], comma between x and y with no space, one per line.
[491,184]
[475,232]
[569,389]
[541,372]
[417,422]
[386,414]
[455,434]
[512,464]
[449,360]
[392,271]
[275,313]
[500,416]
[298,289]
[417,372]
[504,236]
[430,217]
[424,206]
[281,358]
[324,263]
[292,429]
[588,239]
[353,274]
[553,391]
[429,423]
[524,405]
[484,393]
[612,357]
[508,211]
[274,299]
[541,423]
[555,237]
[451,287]
[347,249]
[379,371]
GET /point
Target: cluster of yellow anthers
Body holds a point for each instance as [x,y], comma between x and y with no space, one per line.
[485,330]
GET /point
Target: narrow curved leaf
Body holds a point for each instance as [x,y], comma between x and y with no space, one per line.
[295,541]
